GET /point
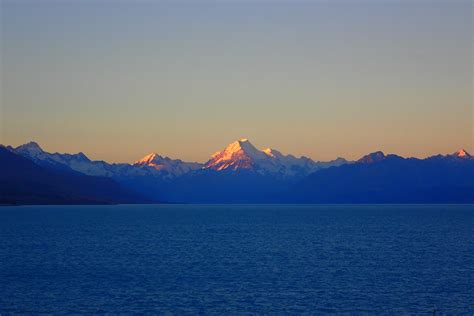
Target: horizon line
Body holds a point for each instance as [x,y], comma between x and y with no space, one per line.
[238,140]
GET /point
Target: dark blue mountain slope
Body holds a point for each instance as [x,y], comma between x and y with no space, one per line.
[389,179]
[24,182]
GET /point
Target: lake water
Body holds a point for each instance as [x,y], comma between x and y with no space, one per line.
[237,259]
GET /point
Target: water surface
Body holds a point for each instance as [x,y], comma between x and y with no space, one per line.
[237,258]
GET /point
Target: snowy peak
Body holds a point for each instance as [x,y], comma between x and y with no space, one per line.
[31,148]
[149,159]
[273,153]
[462,153]
[173,167]
[239,148]
[241,154]
[33,151]
[77,162]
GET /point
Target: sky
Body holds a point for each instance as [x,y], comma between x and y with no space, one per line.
[325,79]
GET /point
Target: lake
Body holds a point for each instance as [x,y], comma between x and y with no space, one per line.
[215,259]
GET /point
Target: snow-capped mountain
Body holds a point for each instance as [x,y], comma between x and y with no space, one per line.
[152,165]
[242,155]
[77,162]
[458,156]
[175,167]
[462,153]
[241,173]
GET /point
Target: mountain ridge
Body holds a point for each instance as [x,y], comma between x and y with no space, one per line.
[24,182]
[241,173]
[242,154]
[390,179]
[33,150]
[236,156]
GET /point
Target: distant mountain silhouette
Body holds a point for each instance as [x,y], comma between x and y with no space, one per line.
[377,178]
[24,182]
[240,173]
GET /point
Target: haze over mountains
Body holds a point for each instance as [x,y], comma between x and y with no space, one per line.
[240,173]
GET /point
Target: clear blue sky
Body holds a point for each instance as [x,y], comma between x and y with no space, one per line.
[119,79]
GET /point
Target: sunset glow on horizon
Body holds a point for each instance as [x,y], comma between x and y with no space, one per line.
[119,80]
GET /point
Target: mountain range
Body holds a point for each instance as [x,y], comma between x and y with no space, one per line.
[24,182]
[240,173]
